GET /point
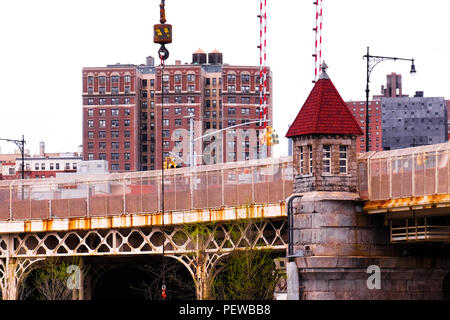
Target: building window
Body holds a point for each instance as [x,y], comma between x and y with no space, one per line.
[115,166]
[36,166]
[52,166]
[178,122]
[191,88]
[101,112]
[310,159]
[327,159]
[166,122]
[102,156]
[114,123]
[127,166]
[343,159]
[191,77]
[126,123]
[90,157]
[102,134]
[114,156]
[102,123]
[231,88]
[126,133]
[114,134]
[114,112]
[90,145]
[301,160]
[114,145]
[178,78]
[114,78]
[101,79]
[127,144]
[114,90]
[90,112]
[90,123]
[231,78]
[101,90]
[102,145]
[245,111]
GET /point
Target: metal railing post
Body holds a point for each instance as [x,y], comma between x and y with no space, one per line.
[88,204]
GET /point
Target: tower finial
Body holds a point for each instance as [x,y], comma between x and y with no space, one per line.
[324,74]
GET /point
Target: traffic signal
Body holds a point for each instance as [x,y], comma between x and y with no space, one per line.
[169,163]
[275,138]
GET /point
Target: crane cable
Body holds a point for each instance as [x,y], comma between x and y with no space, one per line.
[162,35]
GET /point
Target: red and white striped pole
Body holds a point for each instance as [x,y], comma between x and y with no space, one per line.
[260,62]
[265,64]
[318,39]
[320,34]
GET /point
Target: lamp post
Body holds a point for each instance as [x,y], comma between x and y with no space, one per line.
[21,145]
[192,140]
[372,61]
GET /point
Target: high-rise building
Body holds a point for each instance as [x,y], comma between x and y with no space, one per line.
[413,121]
[129,121]
[358,109]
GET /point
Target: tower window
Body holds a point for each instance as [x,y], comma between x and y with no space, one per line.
[327,159]
[310,159]
[301,160]
[343,159]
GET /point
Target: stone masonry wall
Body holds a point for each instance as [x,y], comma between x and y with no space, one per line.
[318,180]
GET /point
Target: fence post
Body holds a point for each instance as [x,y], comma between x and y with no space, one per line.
[88,204]
[223,188]
[50,213]
[10,201]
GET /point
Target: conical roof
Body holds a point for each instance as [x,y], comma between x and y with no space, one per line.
[199,51]
[324,112]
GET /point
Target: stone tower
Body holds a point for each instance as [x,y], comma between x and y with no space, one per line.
[333,245]
[324,141]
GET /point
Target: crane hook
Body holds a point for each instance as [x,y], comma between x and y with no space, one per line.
[163,52]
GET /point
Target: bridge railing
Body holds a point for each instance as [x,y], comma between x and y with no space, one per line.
[212,186]
[403,173]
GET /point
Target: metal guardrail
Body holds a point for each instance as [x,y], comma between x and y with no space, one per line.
[404,173]
[212,186]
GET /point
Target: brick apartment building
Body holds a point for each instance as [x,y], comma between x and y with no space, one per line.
[123,106]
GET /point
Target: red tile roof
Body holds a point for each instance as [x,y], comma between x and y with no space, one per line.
[324,112]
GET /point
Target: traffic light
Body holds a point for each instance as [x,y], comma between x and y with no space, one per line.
[169,163]
[275,138]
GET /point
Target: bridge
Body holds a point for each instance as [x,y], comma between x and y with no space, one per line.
[120,214]
[411,187]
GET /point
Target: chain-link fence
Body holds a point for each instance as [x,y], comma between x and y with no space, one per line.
[212,186]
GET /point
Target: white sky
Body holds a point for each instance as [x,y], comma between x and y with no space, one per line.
[46,43]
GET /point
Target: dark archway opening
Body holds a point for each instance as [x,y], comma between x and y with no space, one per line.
[446,287]
[139,280]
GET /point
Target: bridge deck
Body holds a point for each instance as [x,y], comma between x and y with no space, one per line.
[238,184]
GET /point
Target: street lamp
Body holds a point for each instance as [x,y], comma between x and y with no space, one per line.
[372,61]
[21,145]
